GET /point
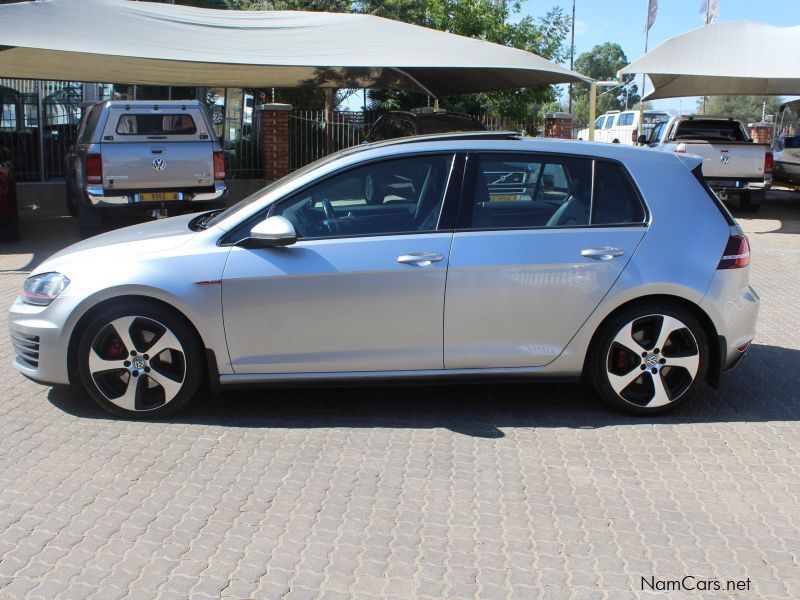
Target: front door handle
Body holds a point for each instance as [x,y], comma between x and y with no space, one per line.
[421,259]
[605,253]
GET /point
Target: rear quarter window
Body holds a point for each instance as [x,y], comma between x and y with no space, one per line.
[615,200]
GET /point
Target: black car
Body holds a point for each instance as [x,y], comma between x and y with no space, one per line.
[398,123]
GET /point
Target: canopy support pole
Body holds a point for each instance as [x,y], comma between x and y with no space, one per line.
[416,82]
[592,108]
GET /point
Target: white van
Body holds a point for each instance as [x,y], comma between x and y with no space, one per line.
[617,127]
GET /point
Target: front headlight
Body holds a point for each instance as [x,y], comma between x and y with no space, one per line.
[42,289]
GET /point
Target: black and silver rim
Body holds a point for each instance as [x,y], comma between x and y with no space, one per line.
[137,363]
[652,361]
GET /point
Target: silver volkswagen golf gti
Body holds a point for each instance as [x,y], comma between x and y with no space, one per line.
[432,258]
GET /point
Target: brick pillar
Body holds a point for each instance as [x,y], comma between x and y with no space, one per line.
[761,132]
[558,125]
[275,140]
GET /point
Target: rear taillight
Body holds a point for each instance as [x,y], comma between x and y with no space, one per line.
[680,148]
[634,135]
[737,253]
[94,168]
[219,164]
[769,163]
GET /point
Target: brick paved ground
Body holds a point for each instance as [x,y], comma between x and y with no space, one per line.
[454,492]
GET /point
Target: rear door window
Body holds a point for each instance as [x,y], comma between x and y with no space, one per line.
[610,122]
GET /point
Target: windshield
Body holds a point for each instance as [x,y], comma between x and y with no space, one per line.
[653,118]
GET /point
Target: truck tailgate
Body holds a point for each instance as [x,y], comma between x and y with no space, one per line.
[157,165]
[729,160]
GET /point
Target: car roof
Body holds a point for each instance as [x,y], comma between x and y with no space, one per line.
[145,103]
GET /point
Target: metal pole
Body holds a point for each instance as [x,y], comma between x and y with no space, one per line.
[40,122]
[641,94]
[592,109]
[571,54]
[707,13]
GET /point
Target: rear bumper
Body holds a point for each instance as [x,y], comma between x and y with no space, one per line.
[98,197]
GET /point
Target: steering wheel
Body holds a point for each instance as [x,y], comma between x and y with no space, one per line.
[330,217]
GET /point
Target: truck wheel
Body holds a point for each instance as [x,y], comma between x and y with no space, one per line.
[72,205]
[90,221]
[747,203]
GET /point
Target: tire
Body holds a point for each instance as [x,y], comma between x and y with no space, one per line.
[90,220]
[628,342]
[163,383]
[72,206]
[747,203]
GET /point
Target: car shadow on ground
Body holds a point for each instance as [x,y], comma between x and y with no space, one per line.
[769,374]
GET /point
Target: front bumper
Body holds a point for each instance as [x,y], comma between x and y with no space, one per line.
[40,346]
[99,197]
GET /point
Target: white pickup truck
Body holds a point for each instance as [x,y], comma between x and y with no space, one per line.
[733,165]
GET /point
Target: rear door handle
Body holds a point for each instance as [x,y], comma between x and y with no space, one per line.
[605,253]
[421,259]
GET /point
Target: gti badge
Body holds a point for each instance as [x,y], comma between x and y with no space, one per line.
[159,164]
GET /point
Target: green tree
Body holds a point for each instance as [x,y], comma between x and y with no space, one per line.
[743,108]
[487,20]
[602,64]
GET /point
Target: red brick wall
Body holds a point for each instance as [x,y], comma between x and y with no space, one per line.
[761,132]
[558,128]
[275,140]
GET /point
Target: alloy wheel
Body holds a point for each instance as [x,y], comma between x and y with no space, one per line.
[652,361]
[137,363]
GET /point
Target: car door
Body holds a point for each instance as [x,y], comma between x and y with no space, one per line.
[525,272]
[363,287]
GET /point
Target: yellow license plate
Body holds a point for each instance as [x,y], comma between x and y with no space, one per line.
[504,197]
[158,197]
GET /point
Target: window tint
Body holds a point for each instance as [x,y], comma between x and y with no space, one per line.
[614,201]
[396,196]
[610,122]
[729,131]
[655,134]
[517,191]
[599,123]
[180,124]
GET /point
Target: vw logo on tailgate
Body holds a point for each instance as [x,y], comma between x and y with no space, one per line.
[159,164]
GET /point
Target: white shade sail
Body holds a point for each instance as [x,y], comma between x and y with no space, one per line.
[121,41]
[724,59]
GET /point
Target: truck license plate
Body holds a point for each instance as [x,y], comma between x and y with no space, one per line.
[158,197]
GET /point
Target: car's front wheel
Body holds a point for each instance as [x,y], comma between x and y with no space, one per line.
[140,360]
[649,358]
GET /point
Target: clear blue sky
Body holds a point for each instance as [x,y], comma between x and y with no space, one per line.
[622,21]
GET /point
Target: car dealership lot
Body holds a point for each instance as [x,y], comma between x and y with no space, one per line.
[484,491]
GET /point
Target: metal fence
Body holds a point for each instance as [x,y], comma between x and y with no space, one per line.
[38,122]
[311,136]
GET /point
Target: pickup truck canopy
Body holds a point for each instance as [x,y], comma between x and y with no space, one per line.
[737,58]
[161,44]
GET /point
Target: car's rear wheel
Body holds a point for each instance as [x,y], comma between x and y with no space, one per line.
[649,359]
[140,360]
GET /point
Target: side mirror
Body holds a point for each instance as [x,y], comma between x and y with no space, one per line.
[641,140]
[271,232]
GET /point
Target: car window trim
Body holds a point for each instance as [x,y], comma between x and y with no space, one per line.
[452,195]
[464,213]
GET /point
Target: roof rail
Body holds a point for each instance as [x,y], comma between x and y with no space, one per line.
[455,135]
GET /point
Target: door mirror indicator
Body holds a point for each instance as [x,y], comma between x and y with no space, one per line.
[271,232]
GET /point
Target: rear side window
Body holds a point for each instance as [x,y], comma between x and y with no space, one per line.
[161,124]
[610,122]
[625,119]
[615,201]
